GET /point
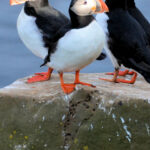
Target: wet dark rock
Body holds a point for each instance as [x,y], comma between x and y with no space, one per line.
[40,117]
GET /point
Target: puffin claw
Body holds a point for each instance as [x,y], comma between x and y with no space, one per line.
[86,84]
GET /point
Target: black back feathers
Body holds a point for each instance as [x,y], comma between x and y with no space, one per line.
[127,38]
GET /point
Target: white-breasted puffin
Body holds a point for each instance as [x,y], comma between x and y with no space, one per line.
[65,46]
[127,42]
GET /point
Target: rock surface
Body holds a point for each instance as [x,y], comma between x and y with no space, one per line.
[109,117]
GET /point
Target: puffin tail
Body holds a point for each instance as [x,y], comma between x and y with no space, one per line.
[46,60]
[147,77]
[142,68]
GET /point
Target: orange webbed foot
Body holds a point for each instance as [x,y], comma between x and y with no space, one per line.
[86,84]
[37,78]
[40,77]
[132,81]
[68,88]
[115,79]
[120,73]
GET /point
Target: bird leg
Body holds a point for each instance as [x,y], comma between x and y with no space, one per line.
[67,88]
[115,75]
[39,77]
[77,80]
[121,73]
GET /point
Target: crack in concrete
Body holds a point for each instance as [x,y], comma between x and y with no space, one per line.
[74,120]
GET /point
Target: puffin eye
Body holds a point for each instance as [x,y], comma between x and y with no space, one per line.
[85,2]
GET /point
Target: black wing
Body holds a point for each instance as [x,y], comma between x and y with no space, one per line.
[52,43]
[50,20]
[53,25]
[136,13]
[128,42]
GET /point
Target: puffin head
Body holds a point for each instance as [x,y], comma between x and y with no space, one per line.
[115,4]
[88,7]
[131,3]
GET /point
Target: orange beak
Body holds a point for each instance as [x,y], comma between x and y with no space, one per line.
[100,7]
[17,2]
[104,6]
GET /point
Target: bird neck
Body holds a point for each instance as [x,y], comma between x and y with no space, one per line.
[80,21]
[31,6]
[38,3]
[29,10]
[115,4]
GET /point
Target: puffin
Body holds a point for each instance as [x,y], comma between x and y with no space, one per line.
[141,19]
[127,43]
[65,45]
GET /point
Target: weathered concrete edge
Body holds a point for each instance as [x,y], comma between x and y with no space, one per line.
[107,98]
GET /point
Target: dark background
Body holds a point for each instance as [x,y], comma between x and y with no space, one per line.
[16,61]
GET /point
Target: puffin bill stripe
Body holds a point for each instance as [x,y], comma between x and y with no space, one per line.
[16,2]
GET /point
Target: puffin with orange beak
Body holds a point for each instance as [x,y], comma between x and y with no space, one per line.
[64,45]
[127,40]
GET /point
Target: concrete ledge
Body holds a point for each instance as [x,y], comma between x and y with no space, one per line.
[51,88]
[40,117]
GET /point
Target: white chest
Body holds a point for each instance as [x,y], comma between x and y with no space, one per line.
[30,35]
[78,48]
